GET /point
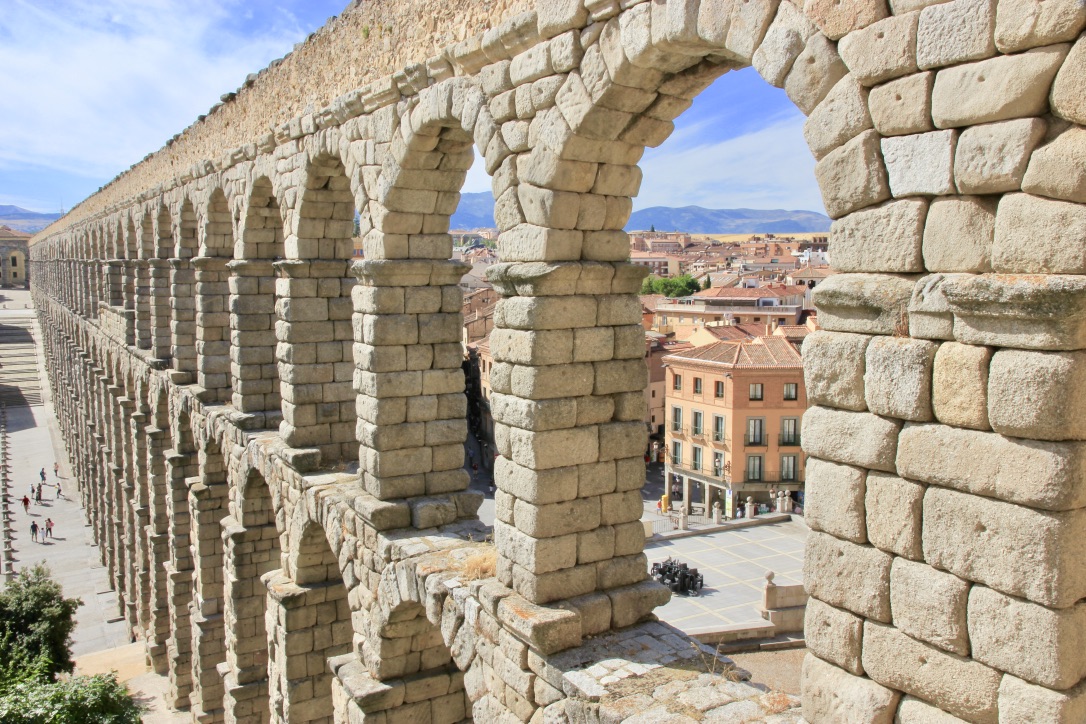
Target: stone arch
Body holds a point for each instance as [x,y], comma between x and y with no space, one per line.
[314,310]
[253,365]
[309,607]
[252,549]
[182,290]
[212,299]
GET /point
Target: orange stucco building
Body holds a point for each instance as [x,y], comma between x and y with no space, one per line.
[734,411]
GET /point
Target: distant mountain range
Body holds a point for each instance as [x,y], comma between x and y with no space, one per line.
[22,220]
[477,211]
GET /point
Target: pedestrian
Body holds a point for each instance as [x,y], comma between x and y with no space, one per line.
[34,530]
[37,495]
[48,529]
[56,470]
[60,492]
[26,504]
[474,470]
[42,474]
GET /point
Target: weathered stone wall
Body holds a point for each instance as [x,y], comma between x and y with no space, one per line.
[217,359]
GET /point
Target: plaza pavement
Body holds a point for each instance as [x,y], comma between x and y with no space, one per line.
[734,564]
[71,554]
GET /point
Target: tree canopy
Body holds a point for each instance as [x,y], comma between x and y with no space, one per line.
[680,286]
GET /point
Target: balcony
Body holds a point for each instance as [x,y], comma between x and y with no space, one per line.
[791,439]
[761,440]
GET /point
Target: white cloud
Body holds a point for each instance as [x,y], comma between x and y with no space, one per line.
[771,168]
[93,87]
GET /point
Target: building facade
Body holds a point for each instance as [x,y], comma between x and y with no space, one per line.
[13,255]
[733,420]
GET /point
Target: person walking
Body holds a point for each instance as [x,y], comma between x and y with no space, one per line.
[48,529]
[34,530]
[56,470]
[26,504]
[37,495]
[42,474]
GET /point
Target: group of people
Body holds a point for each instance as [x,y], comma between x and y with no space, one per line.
[38,533]
[45,530]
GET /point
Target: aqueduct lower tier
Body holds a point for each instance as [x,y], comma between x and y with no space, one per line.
[219,366]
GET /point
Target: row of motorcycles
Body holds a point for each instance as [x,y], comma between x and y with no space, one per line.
[678,577]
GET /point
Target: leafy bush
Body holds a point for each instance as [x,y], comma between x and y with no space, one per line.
[99,699]
[36,623]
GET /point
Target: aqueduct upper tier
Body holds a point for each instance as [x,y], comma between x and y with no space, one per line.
[269,438]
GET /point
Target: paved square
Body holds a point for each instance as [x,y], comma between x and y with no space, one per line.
[734,564]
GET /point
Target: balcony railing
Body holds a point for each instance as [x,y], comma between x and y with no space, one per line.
[789,439]
[755,440]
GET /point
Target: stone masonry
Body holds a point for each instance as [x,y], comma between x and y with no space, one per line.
[269,439]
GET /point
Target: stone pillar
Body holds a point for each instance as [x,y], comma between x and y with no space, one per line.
[253,366]
[157,540]
[411,406]
[307,624]
[568,409]
[251,548]
[213,327]
[207,503]
[183,319]
[114,292]
[159,327]
[313,329]
[143,303]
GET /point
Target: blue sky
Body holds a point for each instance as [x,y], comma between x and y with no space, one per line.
[740,145]
[92,87]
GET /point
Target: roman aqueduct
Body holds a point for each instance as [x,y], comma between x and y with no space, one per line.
[268,437]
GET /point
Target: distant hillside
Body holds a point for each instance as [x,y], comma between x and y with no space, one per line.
[22,220]
[696,220]
[477,211]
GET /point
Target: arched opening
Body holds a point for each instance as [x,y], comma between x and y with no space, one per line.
[182,298]
[253,368]
[313,314]
[312,623]
[212,300]
[410,304]
[163,251]
[252,549]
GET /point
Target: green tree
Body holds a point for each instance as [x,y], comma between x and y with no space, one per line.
[36,623]
[99,699]
[646,285]
[707,283]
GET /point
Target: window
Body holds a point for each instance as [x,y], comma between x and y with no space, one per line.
[696,462]
[719,390]
[754,467]
[697,385]
[790,431]
[755,431]
[654,393]
[676,452]
[718,464]
[697,423]
[15,275]
[756,391]
[791,391]
[15,261]
[788,468]
[676,419]
[718,428]
[677,383]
